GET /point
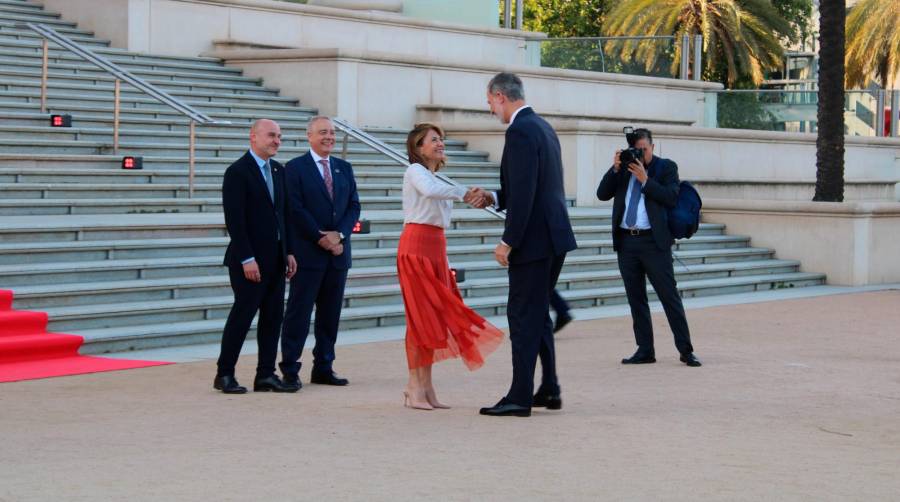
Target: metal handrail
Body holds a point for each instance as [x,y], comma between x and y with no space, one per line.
[120,75]
[371,141]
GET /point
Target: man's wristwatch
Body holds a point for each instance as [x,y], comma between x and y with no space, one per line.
[341,235]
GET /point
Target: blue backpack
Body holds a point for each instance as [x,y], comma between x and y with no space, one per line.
[684,218]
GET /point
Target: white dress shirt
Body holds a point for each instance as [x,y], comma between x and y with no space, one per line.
[427,200]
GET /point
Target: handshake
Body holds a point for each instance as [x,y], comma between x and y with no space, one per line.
[331,241]
[478,198]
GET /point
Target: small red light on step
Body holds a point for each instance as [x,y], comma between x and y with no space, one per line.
[60,121]
[132,162]
[362,227]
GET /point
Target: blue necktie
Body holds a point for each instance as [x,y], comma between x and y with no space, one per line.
[633,200]
[267,174]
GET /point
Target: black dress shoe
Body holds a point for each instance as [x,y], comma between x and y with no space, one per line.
[292,381]
[547,400]
[506,409]
[561,321]
[228,385]
[272,383]
[690,360]
[640,358]
[329,378]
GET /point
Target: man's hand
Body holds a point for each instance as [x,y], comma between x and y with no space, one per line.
[332,237]
[638,171]
[324,243]
[501,254]
[617,161]
[473,197]
[251,271]
[291,267]
[480,198]
[337,250]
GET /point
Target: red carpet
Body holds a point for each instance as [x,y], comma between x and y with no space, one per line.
[28,351]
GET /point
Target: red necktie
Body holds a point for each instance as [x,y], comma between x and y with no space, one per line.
[329,183]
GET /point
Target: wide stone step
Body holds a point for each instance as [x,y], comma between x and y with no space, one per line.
[40,168]
[367,287]
[367,178]
[59,89]
[176,147]
[14,14]
[143,226]
[140,201]
[80,68]
[210,104]
[298,115]
[28,79]
[10,33]
[21,117]
[22,253]
[68,29]
[30,49]
[123,269]
[21,207]
[293,138]
[7,8]
[65,61]
[21,4]
[140,324]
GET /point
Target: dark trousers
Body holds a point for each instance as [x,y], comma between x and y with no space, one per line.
[558,303]
[267,297]
[641,259]
[530,326]
[324,289]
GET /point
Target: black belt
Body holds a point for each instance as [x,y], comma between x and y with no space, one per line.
[636,232]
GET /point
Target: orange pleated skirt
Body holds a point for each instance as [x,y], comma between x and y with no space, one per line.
[439,325]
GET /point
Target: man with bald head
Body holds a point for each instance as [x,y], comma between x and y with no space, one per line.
[324,208]
[259,257]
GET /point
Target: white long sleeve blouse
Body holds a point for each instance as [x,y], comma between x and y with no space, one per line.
[426,199]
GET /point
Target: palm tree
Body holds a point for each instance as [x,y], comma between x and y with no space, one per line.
[873,42]
[744,34]
[830,140]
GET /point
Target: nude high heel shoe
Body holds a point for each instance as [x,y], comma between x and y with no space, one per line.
[409,403]
[431,396]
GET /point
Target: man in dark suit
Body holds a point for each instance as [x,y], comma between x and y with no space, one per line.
[643,242]
[324,208]
[259,257]
[536,237]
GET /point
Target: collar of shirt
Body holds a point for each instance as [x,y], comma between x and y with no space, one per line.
[259,160]
[317,158]
[512,117]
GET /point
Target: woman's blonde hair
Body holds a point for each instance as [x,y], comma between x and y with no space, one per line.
[415,139]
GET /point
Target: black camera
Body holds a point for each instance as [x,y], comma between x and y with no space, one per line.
[631,154]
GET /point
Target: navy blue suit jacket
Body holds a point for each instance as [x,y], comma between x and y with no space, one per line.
[531,191]
[253,220]
[312,210]
[660,193]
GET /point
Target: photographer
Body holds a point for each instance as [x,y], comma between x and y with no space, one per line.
[644,186]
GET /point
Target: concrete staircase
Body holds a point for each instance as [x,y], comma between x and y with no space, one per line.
[127,260]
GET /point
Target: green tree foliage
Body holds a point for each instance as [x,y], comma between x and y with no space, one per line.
[744,35]
[563,18]
[873,43]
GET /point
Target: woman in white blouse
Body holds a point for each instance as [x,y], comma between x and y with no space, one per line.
[439,325]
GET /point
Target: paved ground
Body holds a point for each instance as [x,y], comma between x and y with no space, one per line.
[797,400]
